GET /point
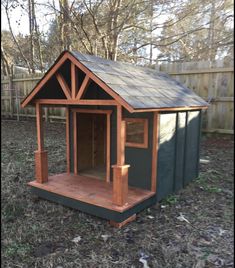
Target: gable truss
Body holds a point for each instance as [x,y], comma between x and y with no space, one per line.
[74,95]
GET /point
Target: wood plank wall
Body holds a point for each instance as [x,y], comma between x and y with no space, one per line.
[213,81]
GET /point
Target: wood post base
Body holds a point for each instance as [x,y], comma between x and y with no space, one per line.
[120,184]
[41,166]
[121,224]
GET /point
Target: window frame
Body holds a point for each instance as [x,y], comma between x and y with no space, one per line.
[144,144]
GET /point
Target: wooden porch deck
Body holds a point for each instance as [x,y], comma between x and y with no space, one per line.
[90,190]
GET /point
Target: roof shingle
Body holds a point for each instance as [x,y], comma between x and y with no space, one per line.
[141,87]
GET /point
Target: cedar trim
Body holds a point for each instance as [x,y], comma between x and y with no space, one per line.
[75,102]
[170,109]
[120,137]
[145,142]
[68,140]
[83,87]
[93,111]
[74,80]
[108,131]
[63,85]
[99,82]
[39,123]
[43,81]
[155,151]
[75,148]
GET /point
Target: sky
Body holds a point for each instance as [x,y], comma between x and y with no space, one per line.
[20,23]
[19,18]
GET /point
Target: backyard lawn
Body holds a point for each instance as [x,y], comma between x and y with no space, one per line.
[193,228]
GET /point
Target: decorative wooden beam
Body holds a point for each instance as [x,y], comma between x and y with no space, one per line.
[170,109]
[120,137]
[120,170]
[92,111]
[99,82]
[83,87]
[63,85]
[41,162]
[39,123]
[75,102]
[74,80]
[155,151]
[43,81]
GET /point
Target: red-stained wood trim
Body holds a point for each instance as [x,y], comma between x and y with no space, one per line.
[93,111]
[84,85]
[170,109]
[44,80]
[63,85]
[120,184]
[74,80]
[145,141]
[155,151]
[99,82]
[39,123]
[67,140]
[108,130]
[75,102]
[120,137]
[75,145]
[121,224]
[41,166]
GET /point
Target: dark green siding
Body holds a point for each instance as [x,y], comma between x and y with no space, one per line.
[140,159]
[178,154]
[192,146]
[166,155]
[179,151]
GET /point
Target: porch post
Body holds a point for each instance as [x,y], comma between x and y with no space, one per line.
[41,162]
[120,170]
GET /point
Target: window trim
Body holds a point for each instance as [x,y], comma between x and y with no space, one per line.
[135,144]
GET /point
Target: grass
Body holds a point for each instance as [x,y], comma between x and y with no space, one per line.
[39,233]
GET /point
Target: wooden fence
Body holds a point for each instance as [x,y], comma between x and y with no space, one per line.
[214,82]
[14,90]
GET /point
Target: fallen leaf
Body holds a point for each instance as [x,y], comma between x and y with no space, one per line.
[181,217]
[145,263]
[105,237]
[221,231]
[77,239]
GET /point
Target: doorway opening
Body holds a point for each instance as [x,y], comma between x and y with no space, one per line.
[93,144]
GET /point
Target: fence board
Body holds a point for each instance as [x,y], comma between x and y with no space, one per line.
[214,82]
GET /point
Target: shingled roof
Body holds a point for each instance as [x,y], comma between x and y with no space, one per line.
[140,87]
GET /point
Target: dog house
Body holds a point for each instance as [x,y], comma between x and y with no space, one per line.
[132,136]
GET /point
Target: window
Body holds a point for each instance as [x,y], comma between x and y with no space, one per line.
[136,132]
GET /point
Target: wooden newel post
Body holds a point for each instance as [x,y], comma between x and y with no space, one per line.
[41,161]
[120,170]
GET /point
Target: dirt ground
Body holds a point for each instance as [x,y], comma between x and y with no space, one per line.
[193,228]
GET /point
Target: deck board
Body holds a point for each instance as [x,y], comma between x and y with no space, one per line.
[90,190]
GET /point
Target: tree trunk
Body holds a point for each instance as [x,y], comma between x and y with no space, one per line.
[31,33]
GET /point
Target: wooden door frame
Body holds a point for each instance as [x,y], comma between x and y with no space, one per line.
[108,132]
